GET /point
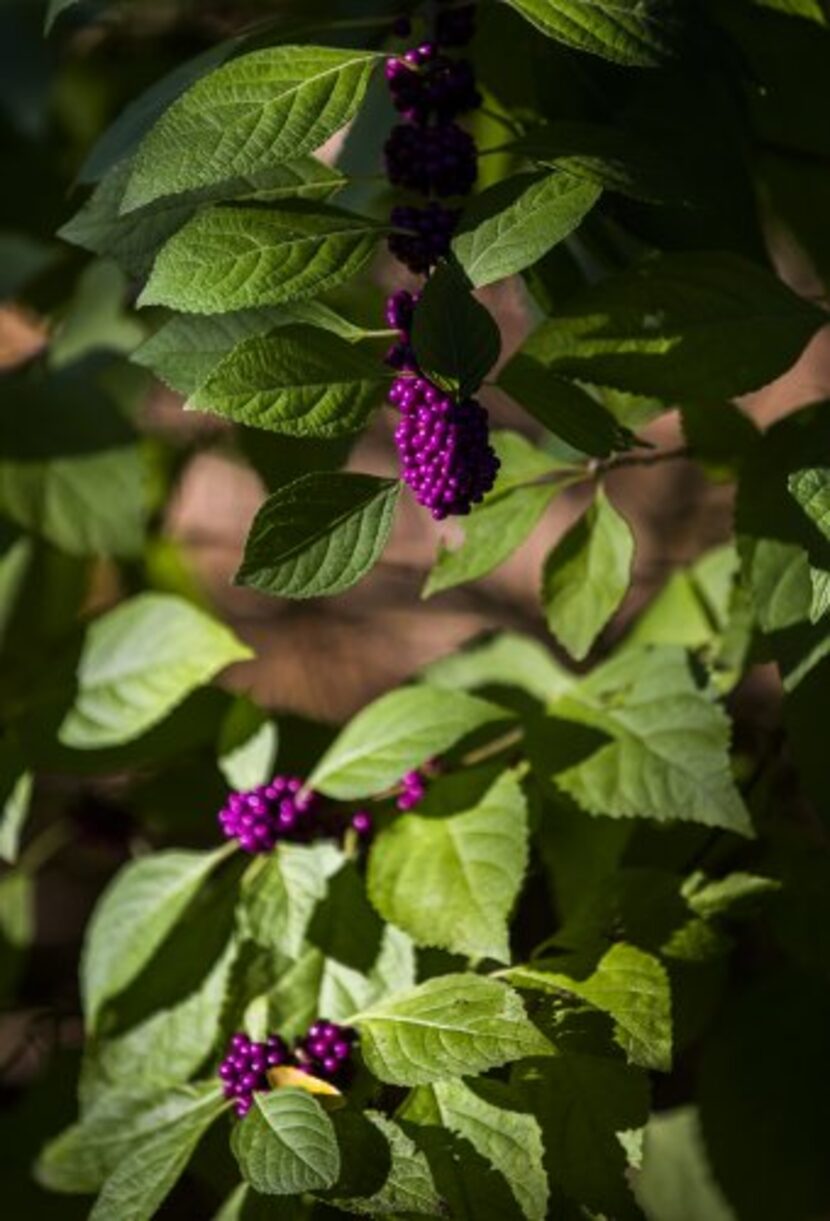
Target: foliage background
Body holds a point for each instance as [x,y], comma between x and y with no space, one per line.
[316,663]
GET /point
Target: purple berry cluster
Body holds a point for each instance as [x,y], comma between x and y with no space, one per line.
[414,790]
[262,817]
[444,447]
[428,152]
[324,1051]
[244,1069]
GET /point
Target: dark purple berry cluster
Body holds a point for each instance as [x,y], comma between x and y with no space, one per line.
[413,790]
[263,816]
[429,153]
[324,1051]
[244,1069]
[444,447]
[400,310]
[432,160]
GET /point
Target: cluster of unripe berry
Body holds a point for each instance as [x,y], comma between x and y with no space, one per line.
[428,152]
[325,1052]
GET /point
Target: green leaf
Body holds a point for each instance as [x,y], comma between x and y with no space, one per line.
[71,470]
[143,1179]
[263,108]
[188,348]
[319,535]
[407,1186]
[676,1182]
[680,326]
[133,916]
[631,986]
[492,533]
[646,742]
[134,239]
[319,984]
[299,381]
[509,1141]
[53,12]
[504,660]
[247,747]
[500,524]
[733,895]
[280,895]
[585,1104]
[397,732]
[235,257]
[566,410]
[16,785]
[450,1026]
[82,1157]
[286,1145]
[165,1049]
[456,340]
[450,879]
[138,663]
[621,160]
[513,224]
[811,491]
[586,576]
[635,32]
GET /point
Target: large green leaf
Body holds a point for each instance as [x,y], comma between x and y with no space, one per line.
[300,381]
[260,109]
[235,257]
[675,1182]
[680,326]
[165,1049]
[134,238]
[503,660]
[628,984]
[144,1178]
[514,223]
[320,984]
[286,1145]
[406,1186]
[137,663]
[455,338]
[450,876]
[637,32]
[319,535]
[639,738]
[399,731]
[566,410]
[134,915]
[283,890]
[70,467]
[507,515]
[187,348]
[450,1026]
[586,576]
[585,1105]
[509,1141]
[82,1157]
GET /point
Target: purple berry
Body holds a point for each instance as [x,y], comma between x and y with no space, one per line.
[262,817]
[444,449]
[425,237]
[361,823]
[432,160]
[326,1051]
[243,1071]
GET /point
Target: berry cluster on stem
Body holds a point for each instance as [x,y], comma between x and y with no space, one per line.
[443,444]
[324,1051]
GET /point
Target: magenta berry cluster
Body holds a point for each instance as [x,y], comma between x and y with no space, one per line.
[244,1069]
[428,152]
[413,789]
[444,447]
[260,818]
[324,1051]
